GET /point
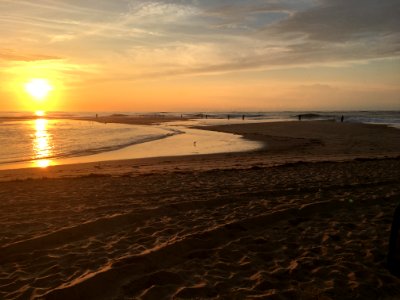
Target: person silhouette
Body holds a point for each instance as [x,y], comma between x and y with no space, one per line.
[341,119]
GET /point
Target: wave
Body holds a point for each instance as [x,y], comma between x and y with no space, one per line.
[93,150]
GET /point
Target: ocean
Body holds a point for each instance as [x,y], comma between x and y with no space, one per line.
[38,139]
[56,137]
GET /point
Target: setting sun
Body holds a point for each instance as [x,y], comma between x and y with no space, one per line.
[40,113]
[38,88]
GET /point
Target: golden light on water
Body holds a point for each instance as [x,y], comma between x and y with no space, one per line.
[42,144]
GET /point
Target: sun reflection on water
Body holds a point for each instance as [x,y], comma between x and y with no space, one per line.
[41,144]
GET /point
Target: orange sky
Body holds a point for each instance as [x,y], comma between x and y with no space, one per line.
[201,55]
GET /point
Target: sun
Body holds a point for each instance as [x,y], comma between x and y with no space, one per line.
[38,88]
[40,113]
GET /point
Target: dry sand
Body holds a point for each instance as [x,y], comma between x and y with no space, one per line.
[306,218]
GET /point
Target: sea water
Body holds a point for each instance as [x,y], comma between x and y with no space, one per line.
[43,139]
[47,141]
[43,142]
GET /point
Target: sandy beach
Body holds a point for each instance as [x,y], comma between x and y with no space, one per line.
[306,217]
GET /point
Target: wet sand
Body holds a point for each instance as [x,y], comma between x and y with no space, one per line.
[307,217]
[136,120]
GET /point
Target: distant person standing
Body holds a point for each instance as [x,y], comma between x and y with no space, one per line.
[229,117]
[342,119]
[242,117]
[299,117]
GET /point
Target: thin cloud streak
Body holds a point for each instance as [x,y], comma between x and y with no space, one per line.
[342,20]
[54,7]
[13,55]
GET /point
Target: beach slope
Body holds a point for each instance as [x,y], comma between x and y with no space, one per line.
[307,217]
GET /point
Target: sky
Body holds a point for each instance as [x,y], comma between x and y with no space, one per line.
[201,55]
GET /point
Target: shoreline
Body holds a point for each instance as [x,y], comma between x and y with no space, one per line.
[311,141]
[273,142]
[180,140]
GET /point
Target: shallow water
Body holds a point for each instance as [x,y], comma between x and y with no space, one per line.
[45,140]
[42,142]
[191,142]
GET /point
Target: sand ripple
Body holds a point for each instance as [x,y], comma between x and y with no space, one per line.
[295,231]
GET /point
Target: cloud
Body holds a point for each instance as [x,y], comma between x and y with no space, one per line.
[343,20]
[249,35]
[12,55]
[55,6]
[342,31]
[241,10]
[331,32]
[162,11]
[183,37]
